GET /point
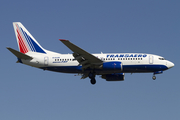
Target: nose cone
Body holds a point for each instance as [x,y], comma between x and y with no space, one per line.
[170,64]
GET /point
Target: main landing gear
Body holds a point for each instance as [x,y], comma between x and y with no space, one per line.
[92,77]
[93,81]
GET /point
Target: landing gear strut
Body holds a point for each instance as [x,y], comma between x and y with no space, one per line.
[92,77]
[157,72]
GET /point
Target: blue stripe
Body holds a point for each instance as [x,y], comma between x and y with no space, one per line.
[37,48]
[126,69]
[144,68]
[28,41]
[33,46]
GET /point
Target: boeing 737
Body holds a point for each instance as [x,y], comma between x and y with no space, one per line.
[110,66]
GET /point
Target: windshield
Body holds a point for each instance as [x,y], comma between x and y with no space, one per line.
[162,58]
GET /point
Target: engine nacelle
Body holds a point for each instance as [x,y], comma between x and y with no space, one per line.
[114,77]
[112,65]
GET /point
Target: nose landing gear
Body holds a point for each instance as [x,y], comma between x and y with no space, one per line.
[154,77]
[157,72]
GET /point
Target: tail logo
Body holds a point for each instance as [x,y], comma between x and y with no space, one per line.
[26,43]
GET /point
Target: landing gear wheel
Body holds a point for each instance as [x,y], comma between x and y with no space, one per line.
[93,81]
[154,77]
[92,77]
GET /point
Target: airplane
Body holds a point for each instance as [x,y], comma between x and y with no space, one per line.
[110,66]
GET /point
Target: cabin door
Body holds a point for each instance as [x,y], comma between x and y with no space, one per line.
[151,59]
[46,59]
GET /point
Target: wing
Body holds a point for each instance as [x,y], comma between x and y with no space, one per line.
[84,58]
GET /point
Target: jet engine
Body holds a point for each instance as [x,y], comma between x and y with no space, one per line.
[114,77]
[112,65]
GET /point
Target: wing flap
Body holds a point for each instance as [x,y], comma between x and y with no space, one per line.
[83,53]
[84,58]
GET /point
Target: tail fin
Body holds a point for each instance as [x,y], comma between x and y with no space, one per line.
[26,42]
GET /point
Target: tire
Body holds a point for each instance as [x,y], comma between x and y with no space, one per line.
[154,77]
[93,81]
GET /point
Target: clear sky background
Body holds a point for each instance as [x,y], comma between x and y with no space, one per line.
[145,26]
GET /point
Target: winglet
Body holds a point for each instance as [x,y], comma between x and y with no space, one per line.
[63,40]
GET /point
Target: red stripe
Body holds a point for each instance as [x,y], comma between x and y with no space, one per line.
[22,45]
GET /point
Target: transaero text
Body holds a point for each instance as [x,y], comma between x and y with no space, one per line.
[126,55]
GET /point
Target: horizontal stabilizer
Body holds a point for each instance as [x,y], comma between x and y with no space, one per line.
[19,54]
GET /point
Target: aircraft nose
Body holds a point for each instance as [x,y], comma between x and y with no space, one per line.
[170,64]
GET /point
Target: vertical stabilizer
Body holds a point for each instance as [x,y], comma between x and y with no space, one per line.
[26,42]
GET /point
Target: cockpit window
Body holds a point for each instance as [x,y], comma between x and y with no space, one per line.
[162,58]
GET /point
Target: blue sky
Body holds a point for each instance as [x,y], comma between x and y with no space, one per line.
[150,26]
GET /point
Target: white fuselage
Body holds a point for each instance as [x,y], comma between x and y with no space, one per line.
[131,62]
